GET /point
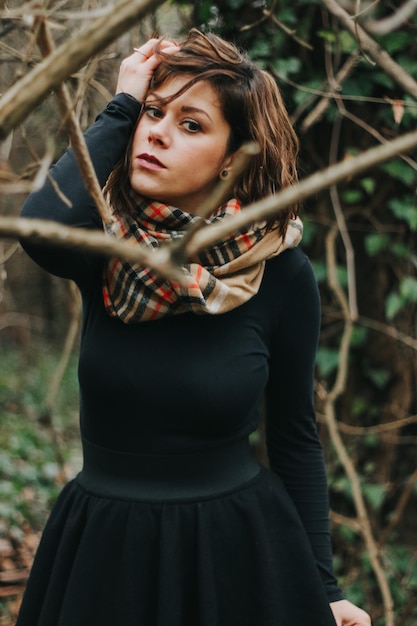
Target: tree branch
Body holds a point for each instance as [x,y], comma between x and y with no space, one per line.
[71,125]
[26,93]
[330,414]
[394,21]
[370,47]
[165,259]
[269,207]
[341,223]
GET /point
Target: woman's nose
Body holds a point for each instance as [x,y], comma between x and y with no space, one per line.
[159,133]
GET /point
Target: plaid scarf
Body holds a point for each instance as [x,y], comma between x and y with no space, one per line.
[218,279]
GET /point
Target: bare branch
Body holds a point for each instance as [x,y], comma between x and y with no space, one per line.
[10,183]
[220,194]
[372,131]
[94,241]
[341,223]
[390,331]
[269,207]
[370,47]
[332,425]
[29,91]
[394,21]
[317,113]
[165,259]
[378,429]
[47,416]
[342,520]
[88,174]
[400,508]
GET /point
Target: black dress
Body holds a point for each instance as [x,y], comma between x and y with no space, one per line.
[170,523]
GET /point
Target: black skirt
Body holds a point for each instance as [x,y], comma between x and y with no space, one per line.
[210,539]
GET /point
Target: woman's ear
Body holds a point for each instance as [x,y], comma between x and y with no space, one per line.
[227,166]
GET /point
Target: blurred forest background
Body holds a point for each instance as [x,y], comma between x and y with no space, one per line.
[341,68]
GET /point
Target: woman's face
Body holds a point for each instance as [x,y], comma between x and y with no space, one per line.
[180,148]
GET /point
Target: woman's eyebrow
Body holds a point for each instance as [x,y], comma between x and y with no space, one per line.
[191,109]
[153,98]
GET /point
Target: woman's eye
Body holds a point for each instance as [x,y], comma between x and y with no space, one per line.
[191,126]
[153,111]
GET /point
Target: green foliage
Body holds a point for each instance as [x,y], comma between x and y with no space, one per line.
[397,300]
[359,336]
[327,360]
[401,171]
[374,494]
[405,209]
[381,216]
[376,243]
[30,474]
[352,196]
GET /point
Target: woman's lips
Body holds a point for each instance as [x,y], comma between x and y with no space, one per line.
[148,161]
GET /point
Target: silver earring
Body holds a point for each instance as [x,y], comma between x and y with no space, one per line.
[224,174]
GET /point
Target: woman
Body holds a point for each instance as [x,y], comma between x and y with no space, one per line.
[171,522]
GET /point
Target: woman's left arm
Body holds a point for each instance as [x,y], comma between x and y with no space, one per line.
[294,448]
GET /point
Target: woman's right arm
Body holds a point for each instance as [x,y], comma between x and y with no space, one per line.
[106,140]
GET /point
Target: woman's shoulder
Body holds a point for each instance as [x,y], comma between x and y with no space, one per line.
[284,268]
[288,282]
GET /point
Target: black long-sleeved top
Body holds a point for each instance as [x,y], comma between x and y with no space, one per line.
[189,382]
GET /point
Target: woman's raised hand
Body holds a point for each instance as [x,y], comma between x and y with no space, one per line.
[136,71]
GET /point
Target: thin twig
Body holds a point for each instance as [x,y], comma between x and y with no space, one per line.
[72,126]
[341,223]
[372,131]
[329,411]
[222,192]
[95,241]
[399,509]
[7,255]
[11,183]
[378,429]
[269,207]
[370,47]
[342,520]
[389,330]
[20,99]
[56,380]
[317,113]
[394,21]
[162,259]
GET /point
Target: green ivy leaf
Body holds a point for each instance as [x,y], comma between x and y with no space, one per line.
[405,209]
[352,196]
[375,494]
[327,35]
[408,289]
[401,250]
[359,335]
[397,41]
[376,243]
[309,231]
[319,270]
[379,377]
[393,305]
[327,360]
[286,67]
[368,184]
[301,96]
[400,171]
[347,43]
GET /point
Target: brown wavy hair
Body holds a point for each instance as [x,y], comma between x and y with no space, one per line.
[251,104]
